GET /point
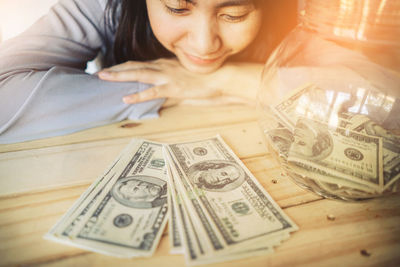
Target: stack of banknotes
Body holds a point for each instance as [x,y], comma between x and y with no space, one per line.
[124,212]
[330,141]
[217,210]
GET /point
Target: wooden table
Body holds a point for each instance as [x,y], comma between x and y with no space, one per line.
[40,180]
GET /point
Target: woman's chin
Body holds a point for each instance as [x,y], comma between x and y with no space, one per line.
[202,69]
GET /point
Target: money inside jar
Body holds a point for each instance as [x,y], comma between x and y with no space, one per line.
[331,143]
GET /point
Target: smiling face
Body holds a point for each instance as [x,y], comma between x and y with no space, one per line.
[203,34]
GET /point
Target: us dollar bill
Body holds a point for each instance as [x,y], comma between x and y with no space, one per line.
[175,237]
[353,110]
[338,152]
[307,101]
[126,215]
[279,138]
[224,199]
[328,106]
[190,241]
[390,144]
[197,251]
[62,230]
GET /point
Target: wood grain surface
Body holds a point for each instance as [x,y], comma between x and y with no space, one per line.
[41,179]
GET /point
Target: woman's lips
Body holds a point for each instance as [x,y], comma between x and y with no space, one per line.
[202,61]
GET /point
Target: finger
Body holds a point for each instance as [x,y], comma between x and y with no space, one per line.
[129,65]
[167,62]
[146,95]
[139,75]
[213,101]
[168,91]
[202,102]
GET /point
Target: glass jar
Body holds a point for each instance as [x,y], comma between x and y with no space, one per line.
[330,99]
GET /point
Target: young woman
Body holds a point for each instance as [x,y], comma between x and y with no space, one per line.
[157,52]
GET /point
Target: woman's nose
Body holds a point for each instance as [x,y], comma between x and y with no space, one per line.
[204,37]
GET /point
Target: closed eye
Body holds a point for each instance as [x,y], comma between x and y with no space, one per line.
[177,11]
[231,18]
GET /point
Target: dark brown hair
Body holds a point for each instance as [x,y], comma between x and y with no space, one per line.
[134,38]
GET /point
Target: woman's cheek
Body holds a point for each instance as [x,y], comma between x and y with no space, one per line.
[167,30]
[240,35]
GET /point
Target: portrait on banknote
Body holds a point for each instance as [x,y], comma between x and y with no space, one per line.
[140,192]
[219,176]
[311,140]
[281,139]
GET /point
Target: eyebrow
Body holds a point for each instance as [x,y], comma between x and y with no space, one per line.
[235,3]
[226,3]
[193,2]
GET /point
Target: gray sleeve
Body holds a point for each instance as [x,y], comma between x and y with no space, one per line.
[44,90]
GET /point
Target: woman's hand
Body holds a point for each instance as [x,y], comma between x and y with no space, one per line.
[232,83]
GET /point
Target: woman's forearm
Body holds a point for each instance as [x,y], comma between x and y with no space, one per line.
[62,100]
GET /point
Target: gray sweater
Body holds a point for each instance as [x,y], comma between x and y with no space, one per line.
[44,89]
